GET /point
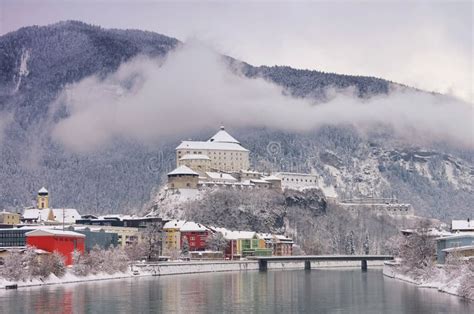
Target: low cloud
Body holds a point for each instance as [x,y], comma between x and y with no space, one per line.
[193,89]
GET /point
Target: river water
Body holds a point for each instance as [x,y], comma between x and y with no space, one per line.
[289,291]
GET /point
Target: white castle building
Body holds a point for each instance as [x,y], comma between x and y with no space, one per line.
[219,161]
[221,152]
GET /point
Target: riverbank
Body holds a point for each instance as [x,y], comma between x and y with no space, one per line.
[178,268]
[440,282]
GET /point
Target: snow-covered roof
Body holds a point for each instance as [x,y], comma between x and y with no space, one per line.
[174,224]
[294,174]
[52,214]
[246,234]
[230,235]
[462,224]
[211,146]
[43,190]
[265,235]
[259,181]
[223,137]
[183,170]
[283,238]
[192,226]
[271,178]
[195,157]
[220,176]
[70,215]
[251,172]
[53,232]
[37,214]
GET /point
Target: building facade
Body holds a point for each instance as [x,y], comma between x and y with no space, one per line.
[291,180]
[225,153]
[183,177]
[63,242]
[7,218]
[196,235]
[462,244]
[172,236]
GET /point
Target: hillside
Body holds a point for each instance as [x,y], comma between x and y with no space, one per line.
[38,62]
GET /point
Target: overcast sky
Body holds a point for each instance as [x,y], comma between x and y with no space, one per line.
[426,44]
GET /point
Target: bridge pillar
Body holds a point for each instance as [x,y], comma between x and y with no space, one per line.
[307,265]
[363,264]
[262,265]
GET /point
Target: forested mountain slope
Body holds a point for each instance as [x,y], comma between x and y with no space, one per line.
[36,63]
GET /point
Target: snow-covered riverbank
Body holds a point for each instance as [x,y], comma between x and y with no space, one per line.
[441,282]
[176,268]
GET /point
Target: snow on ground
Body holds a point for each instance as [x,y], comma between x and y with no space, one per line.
[181,267]
[424,170]
[450,174]
[23,71]
[170,201]
[69,277]
[440,282]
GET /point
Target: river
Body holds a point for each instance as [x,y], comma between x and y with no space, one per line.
[289,291]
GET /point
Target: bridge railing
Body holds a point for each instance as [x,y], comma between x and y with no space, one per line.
[263,260]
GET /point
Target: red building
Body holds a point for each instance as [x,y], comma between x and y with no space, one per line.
[196,235]
[64,242]
[231,250]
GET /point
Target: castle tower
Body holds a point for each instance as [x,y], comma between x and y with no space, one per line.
[42,199]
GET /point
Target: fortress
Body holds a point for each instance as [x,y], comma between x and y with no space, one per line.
[222,161]
[219,161]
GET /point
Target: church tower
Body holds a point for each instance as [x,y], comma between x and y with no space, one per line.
[42,199]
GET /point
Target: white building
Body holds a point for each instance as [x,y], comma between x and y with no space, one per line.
[224,152]
[292,180]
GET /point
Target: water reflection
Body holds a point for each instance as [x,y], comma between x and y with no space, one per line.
[315,291]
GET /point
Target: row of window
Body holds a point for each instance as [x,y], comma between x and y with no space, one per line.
[213,153]
[299,180]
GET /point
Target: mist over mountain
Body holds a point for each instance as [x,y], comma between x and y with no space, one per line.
[95,114]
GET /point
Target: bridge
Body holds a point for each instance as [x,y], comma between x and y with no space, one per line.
[264,260]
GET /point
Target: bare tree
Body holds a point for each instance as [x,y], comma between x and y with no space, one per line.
[152,238]
[216,242]
[418,251]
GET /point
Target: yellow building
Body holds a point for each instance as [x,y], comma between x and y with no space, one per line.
[8,218]
[200,163]
[224,152]
[172,236]
[42,199]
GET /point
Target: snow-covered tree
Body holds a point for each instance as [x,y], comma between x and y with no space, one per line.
[366,244]
[350,246]
[418,251]
[56,264]
[216,242]
[151,241]
[136,251]
[81,265]
[185,247]
[12,269]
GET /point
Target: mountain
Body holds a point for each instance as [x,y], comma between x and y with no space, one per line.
[38,62]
